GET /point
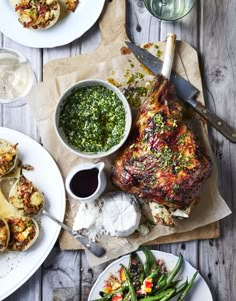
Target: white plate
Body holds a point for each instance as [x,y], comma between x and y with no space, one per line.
[199,291]
[63,32]
[17,267]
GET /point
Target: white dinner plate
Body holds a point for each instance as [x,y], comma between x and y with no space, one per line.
[17,267]
[200,290]
[66,30]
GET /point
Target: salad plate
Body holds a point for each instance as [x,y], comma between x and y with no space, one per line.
[199,291]
[66,30]
[18,267]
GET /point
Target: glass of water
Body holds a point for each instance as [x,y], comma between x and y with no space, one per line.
[169,10]
[16,77]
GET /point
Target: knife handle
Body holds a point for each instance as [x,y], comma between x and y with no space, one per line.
[219,124]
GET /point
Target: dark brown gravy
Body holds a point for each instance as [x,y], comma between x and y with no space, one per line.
[84,183]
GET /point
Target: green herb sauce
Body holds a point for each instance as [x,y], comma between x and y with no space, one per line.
[93,119]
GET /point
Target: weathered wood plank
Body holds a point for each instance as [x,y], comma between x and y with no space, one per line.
[61,276]
[89,276]
[217,44]
[186,28]
[140,25]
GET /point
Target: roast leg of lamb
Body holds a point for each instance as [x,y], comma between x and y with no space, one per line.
[161,160]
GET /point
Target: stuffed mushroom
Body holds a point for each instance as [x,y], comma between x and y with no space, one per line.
[4,234]
[8,156]
[25,196]
[38,14]
[23,233]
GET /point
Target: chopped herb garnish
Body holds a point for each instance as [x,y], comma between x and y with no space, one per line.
[93,119]
[134,94]
[159,123]
[167,158]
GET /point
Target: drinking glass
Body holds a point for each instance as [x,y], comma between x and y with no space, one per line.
[169,10]
[16,77]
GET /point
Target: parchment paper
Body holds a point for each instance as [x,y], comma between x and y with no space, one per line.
[43,99]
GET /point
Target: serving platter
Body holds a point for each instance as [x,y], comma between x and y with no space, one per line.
[17,267]
[66,30]
[199,291]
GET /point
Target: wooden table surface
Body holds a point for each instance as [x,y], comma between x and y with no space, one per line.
[210,28]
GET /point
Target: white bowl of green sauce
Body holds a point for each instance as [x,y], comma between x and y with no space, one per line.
[93,118]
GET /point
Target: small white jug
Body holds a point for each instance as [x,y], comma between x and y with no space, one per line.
[86,181]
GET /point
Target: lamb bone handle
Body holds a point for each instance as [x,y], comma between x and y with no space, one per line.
[219,124]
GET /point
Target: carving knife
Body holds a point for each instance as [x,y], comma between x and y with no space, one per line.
[184,90]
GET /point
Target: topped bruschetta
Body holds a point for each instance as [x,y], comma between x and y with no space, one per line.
[38,14]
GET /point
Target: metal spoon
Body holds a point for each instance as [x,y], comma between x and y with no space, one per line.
[93,247]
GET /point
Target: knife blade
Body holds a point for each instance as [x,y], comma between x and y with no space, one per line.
[184,90]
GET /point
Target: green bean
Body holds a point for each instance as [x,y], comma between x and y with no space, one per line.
[189,286]
[163,286]
[107,297]
[159,296]
[154,273]
[127,297]
[158,288]
[130,285]
[168,296]
[147,268]
[150,258]
[161,278]
[173,283]
[177,291]
[176,269]
[180,288]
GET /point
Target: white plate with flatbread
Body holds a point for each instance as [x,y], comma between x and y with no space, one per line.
[69,27]
[18,267]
